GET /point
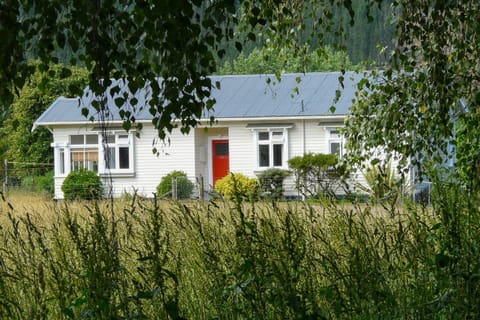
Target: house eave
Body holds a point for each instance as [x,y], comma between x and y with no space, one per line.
[320,118]
[279,118]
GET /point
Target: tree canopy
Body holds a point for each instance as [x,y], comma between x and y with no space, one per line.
[19,143]
[179,41]
[416,105]
[265,60]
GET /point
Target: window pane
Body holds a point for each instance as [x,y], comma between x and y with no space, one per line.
[61,161]
[335,134]
[263,136]
[92,139]
[335,148]
[91,159]
[277,155]
[76,139]
[221,149]
[76,158]
[91,154]
[110,161]
[264,155]
[124,157]
[110,139]
[277,133]
[76,155]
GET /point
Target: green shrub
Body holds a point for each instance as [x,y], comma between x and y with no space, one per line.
[82,185]
[271,182]
[46,183]
[382,182]
[237,184]
[184,185]
[41,183]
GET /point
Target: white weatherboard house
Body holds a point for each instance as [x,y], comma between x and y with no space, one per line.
[259,125]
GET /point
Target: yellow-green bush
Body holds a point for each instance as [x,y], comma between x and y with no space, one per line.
[237,184]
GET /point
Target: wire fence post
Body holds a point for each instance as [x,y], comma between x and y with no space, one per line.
[26,176]
[174,188]
[201,189]
[5,182]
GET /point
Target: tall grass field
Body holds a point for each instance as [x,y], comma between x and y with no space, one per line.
[147,259]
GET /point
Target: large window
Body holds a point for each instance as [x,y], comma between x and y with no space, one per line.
[271,148]
[336,142]
[111,155]
[84,152]
[118,154]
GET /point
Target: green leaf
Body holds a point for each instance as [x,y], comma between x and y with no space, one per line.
[127,125]
[442,260]
[119,102]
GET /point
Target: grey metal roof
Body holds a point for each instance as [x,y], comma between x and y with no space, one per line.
[240,96]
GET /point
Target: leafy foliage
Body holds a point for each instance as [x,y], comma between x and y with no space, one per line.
[141,43]
[382,182]
[271,182]
[82,185]
[21,143]
[237,185]
[431,83]
[316,173]
[266,60]
[136,41]
[46,183]
[42,183]
[184,185]
[412,266]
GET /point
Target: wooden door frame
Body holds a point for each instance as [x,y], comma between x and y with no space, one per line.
[210,156]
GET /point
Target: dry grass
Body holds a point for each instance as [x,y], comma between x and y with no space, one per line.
[225,260]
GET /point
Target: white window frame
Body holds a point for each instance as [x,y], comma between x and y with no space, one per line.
[272,140]
[83,148]
[102,168]
[122,140]
[62,168]
[335,136]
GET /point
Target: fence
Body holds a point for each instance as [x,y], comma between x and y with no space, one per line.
[26,176]
[182,188]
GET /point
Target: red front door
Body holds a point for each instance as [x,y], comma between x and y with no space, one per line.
[220,159]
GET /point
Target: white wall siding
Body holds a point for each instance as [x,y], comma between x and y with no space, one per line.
[242,149]
[191,153]
[304,136]
[149,168]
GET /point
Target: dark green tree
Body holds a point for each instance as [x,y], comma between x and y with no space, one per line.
[266,60]
[421,104]
[20,143]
